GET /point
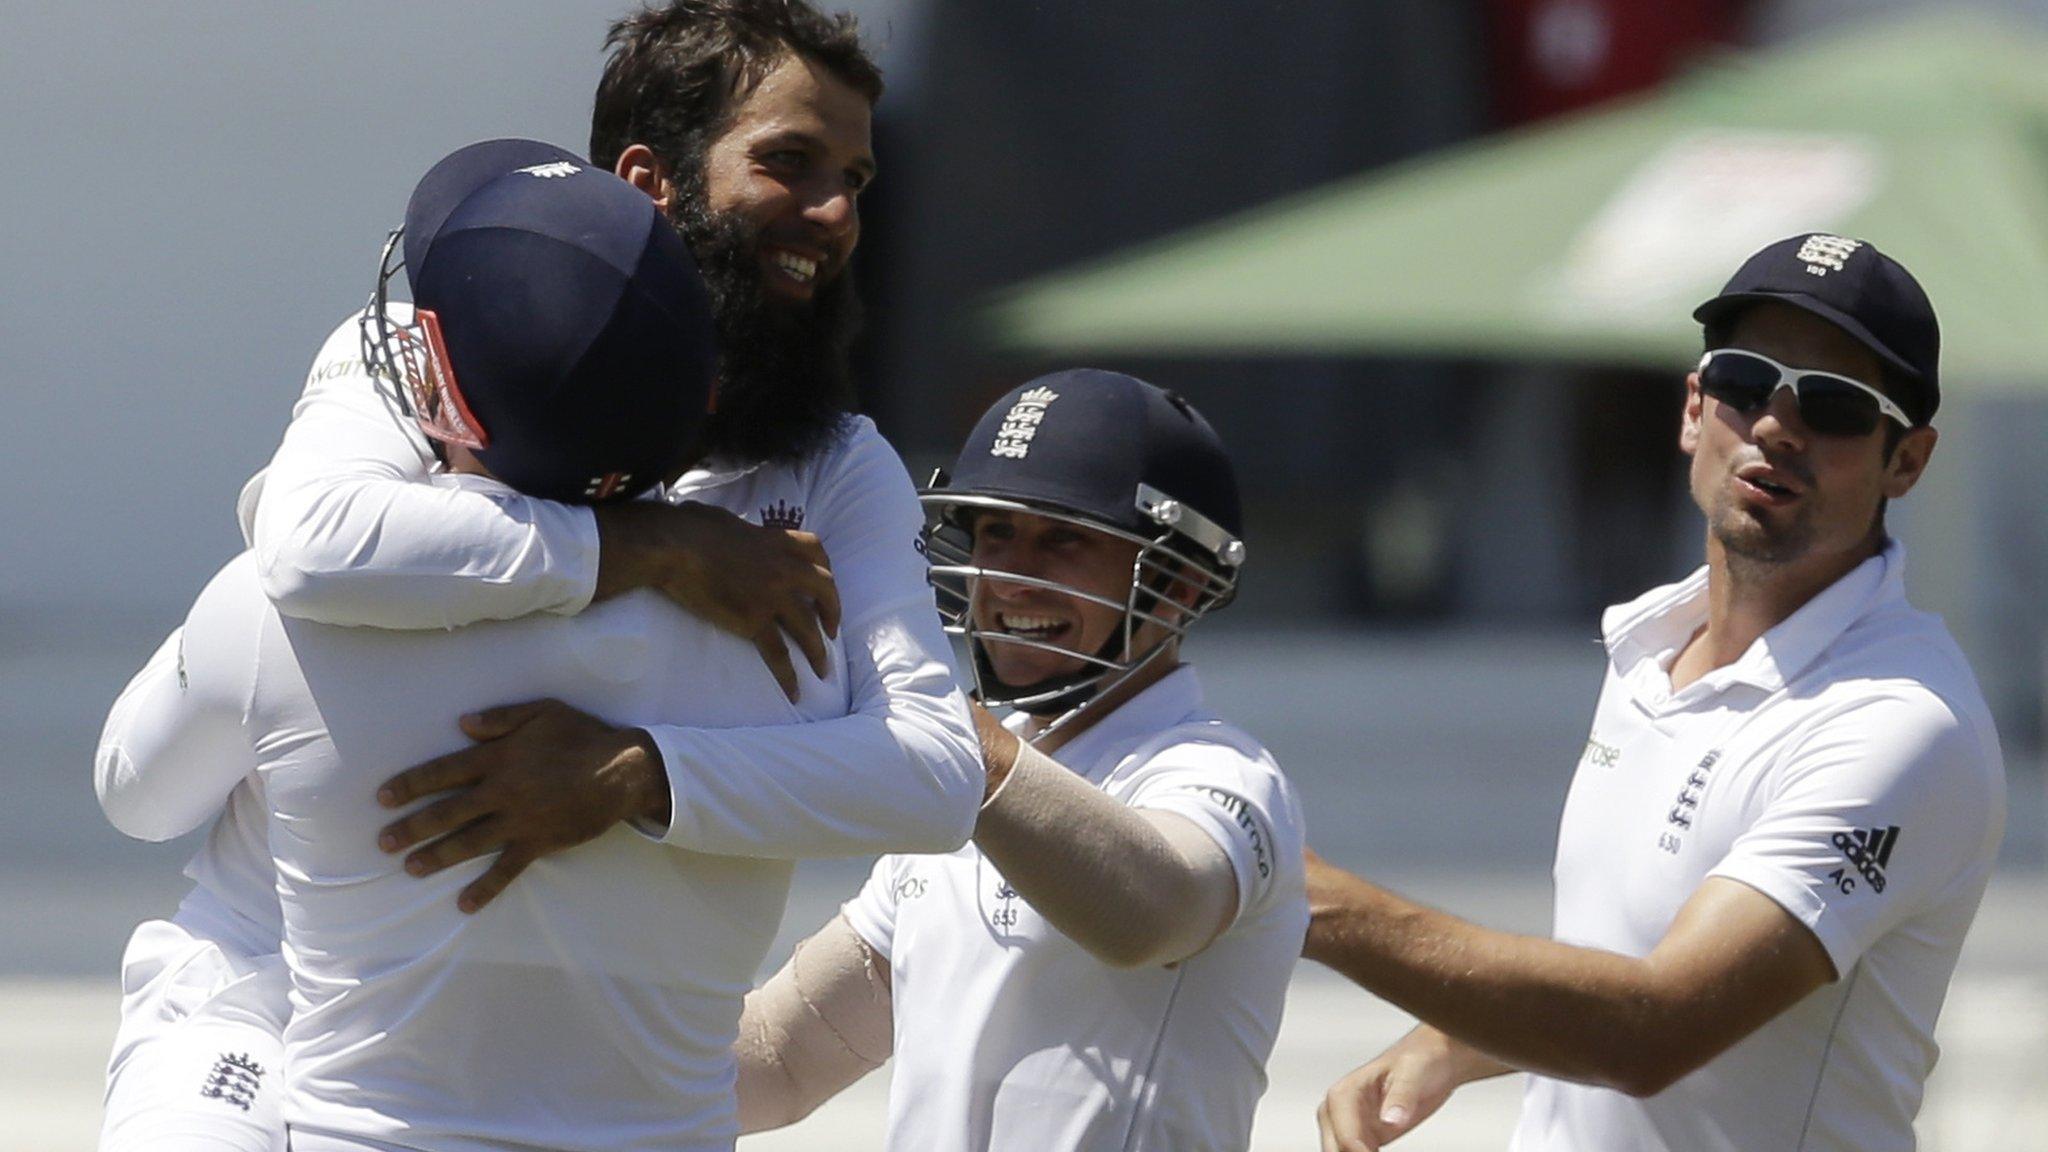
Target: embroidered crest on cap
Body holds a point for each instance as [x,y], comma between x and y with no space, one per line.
[552,170]
[1020,424]
[1822,253]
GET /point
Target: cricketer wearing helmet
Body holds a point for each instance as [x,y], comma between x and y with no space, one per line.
[1104,965]
[561,346]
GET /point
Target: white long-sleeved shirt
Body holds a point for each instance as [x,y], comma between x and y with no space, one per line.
[594,1004]
[344,533]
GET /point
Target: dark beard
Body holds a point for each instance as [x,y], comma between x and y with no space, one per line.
[784,389]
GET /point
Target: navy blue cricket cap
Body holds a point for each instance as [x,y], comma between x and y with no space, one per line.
[1085,440]
[577,327]
[1858,289]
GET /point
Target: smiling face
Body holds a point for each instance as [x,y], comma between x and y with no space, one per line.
[792,165]
[1058,552]
[1773,491]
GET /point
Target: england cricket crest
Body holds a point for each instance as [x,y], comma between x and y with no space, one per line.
[1021,424]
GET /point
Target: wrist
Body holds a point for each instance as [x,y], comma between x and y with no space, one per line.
[620,556]
[647,776]
[1000,749]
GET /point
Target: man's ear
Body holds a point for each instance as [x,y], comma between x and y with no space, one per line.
[1689,420]
[1909,461]
[640,167]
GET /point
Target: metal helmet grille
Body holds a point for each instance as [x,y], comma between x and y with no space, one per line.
[409,362]
[1165,568]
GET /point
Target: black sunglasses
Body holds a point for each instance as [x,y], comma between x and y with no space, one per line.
[1830,405]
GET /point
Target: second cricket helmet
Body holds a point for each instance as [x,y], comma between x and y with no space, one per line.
[559,329]
[1107,452]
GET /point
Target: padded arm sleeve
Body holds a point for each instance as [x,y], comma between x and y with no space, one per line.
[821,1023]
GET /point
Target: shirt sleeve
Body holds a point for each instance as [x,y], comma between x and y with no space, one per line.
[1879,810]
[344,534]
[1239,801]
[872,911]
[173,747]
[902,771]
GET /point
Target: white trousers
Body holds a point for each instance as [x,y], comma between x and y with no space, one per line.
[198,1059]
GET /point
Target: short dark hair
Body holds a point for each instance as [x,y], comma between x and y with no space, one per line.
[677,73]
[1719,331]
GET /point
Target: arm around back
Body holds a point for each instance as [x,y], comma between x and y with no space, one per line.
[901,772]
[344,533]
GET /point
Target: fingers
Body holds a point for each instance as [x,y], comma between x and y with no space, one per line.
[825,595]
[485,888]
[436,819]
[804,630]
[478,839]
[1398,1110]
[492,723]
[1349,1109]
[455,770]
[776,655]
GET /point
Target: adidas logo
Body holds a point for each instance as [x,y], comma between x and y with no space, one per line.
[1869,850]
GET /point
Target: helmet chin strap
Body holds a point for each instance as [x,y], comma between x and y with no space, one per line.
[1064,706]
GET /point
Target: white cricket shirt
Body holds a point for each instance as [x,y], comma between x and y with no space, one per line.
[1008,1035]
[1846,767]
[886,759]
[345,534]
[593,1005]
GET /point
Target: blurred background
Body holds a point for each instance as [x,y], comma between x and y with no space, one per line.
[1427,265]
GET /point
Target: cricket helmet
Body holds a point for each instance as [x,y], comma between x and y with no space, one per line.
[1112,454]
[559,328]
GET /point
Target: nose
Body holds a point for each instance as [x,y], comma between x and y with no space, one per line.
[833,210]
[1779,423]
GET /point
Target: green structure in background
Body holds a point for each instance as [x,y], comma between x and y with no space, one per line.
[1589,240]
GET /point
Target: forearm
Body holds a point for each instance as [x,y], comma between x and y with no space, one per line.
[345,532]
[853,786]
[1572,1013]
[1134,888]
[819,1024]
[902,773]
[402,554]
[1461,1062]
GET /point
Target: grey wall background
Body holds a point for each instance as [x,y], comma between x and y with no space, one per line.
[192,196]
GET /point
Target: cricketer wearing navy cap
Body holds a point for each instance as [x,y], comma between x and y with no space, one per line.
[1856,288]
[1104,965]
[1789,802]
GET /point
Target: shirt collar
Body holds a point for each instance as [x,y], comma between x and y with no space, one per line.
[1171,700]
[1644,637]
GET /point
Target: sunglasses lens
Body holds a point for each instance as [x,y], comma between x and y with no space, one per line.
[1828,406]
[1833,408]
[1744,383]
